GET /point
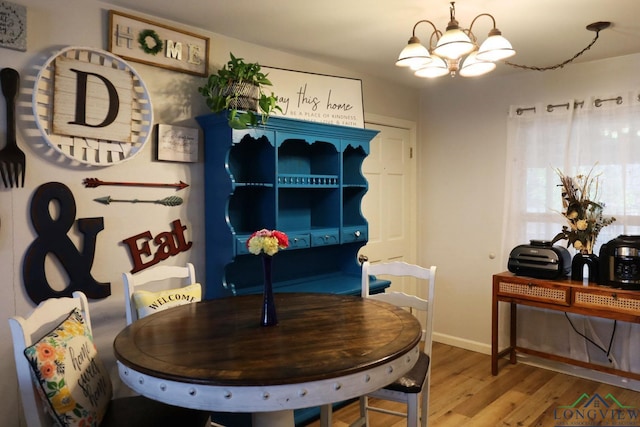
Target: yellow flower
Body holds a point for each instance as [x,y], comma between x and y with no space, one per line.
[582,224]
[255,245]
[270,245]
[572,215]
[63,401]
[577,244]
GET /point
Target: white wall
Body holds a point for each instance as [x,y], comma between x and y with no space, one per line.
[62,23]
[461,166]
[462,172]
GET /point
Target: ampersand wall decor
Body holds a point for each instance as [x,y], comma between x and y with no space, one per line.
[53,239]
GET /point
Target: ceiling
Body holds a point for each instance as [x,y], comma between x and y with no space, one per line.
[367,36]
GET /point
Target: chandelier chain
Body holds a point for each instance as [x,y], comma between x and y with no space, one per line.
[560,65]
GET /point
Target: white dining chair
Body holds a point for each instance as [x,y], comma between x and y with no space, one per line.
[411,389]
[147,291]
[47,323]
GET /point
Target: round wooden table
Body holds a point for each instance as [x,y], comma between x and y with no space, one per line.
[214,355]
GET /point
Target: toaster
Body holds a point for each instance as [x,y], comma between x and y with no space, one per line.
[540,259]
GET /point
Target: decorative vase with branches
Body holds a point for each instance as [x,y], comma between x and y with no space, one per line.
[582,211]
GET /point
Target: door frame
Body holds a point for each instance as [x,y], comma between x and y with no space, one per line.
[411,127]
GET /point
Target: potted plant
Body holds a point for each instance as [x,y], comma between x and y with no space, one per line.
[238,87]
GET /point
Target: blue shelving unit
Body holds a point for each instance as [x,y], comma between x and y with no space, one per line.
[303,178]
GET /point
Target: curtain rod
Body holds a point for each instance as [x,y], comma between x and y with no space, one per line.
[550,107]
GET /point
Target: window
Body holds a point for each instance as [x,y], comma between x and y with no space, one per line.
[573,137]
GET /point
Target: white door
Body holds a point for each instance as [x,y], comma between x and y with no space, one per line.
[390,204]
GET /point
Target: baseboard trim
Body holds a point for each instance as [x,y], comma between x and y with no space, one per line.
[476,346]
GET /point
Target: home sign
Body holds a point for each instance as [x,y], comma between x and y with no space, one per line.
[156,44]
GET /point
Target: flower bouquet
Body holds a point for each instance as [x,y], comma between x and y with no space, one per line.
[582,211]
[267,243]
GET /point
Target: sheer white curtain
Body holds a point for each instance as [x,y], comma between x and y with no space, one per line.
[573,136]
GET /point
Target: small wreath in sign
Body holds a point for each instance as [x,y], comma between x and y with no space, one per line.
[142,39]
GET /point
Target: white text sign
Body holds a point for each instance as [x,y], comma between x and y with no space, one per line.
[317,97]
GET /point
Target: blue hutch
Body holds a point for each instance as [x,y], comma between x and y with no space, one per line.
[302,178]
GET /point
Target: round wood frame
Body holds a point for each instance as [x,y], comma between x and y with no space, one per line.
[96,152]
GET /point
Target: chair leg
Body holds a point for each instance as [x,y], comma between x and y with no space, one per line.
[424,408]
[424,404]
[326,415]
[364,413]
[412,410]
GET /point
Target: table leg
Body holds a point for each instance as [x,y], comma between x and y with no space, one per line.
[512,332]
[494,335]
[272,419]
[326,415]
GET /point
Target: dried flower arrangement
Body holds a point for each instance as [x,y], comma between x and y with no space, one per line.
[582,210]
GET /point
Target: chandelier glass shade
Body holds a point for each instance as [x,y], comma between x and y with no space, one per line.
[414,55]
[455,51]
[453,44]
[473,66]
[436,67]
[495,48]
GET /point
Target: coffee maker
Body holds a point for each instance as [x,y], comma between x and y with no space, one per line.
[620,263]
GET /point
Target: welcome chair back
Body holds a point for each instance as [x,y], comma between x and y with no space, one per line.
[152,278]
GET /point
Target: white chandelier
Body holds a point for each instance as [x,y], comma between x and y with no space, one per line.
[455,51]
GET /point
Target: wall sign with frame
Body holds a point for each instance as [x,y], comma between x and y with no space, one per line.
[177,144]
[13,26]
[317,97]
[150,43]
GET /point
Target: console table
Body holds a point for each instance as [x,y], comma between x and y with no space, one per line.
[565,295]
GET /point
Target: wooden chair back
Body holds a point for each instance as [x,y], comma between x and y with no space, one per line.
[415,397]
[25,332]
[422,308]
[149,278]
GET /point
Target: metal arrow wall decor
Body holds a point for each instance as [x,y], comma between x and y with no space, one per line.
[167,201]
[95,182]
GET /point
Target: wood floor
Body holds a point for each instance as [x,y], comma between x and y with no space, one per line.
[465,394]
